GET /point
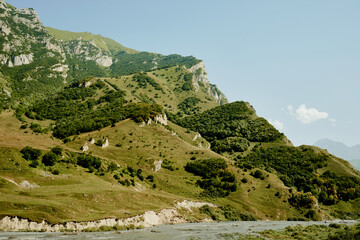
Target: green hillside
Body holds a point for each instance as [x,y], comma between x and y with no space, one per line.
[92,130]
[103,43]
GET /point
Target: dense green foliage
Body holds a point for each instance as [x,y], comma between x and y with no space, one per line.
[227,212]
[88,161]
[68,102]
[188,106]
[49,159]
[187,86]
[221,124]
[230,144]
[319,232]
[216,180]
[77,110]
[297,167]
[103,117]
[30,153]
[144,61]
[143,79]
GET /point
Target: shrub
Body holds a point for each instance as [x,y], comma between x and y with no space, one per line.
[49,159]
[30,153]
[57,150]
[112,167]
[258,174]
[34,163]
[216,180]
[150,178]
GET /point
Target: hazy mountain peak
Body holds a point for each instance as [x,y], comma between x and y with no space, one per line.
[341,150]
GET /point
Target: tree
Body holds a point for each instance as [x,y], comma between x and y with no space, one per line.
[49,159]
[30,153]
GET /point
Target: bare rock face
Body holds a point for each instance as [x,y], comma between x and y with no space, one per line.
[147,219]
[106,143]
[157,165]
[88,51]
[85,147]
[162,119]
[104,61]
[197,136]
[23,32]
[200,77]
[22,59]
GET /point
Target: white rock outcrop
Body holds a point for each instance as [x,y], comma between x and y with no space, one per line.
[200,76]
[85,147]
[161,118]
[26,184]
[148,219]
[104,61]
[196,136]
[105,144]
[157,165]
[22,59]
[188,205]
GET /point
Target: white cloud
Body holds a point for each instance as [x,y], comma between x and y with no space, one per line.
[277,124]
[308,115]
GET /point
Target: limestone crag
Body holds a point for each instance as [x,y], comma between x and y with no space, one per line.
[22,32]
[87,51]
[157,165]
[200,77]
[162,119]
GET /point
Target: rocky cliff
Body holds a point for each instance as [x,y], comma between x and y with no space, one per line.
[37,59]
[200,77]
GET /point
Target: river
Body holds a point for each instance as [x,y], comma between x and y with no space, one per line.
[208,231]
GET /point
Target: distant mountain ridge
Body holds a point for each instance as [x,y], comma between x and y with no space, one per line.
[339,149]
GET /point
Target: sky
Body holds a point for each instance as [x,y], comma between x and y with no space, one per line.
[296,62]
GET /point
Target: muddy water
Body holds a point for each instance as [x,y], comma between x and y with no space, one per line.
[189,231]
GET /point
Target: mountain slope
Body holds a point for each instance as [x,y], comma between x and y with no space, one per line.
[37,61]
[352,154]
[149,130]
[103,43]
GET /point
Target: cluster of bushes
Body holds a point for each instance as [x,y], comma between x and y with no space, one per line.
[297,167]
[236,119]
[321,232]
[187,86]
[167,165]
[68,102]
[31,154]
[188,106]
[73,109]
[227,212]
[144,61]
[88,161]
[48,159]
[230,144]
[132,172]
[217,180]
[55,155]
[143,79]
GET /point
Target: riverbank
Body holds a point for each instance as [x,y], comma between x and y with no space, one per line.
[148,219]
[209,231]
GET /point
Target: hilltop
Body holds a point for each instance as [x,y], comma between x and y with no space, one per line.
[90,129]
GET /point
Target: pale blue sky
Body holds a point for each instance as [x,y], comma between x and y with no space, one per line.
[270,53]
